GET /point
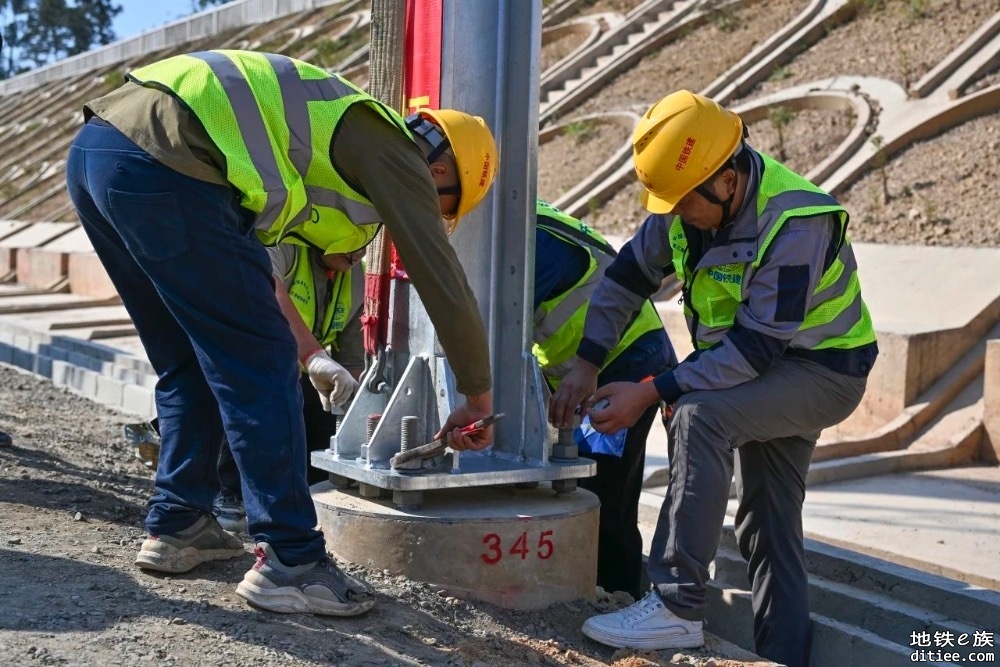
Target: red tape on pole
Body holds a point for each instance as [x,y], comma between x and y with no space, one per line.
[422,59]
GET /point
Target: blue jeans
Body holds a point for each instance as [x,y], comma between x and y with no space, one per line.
[320,425]
[197,285]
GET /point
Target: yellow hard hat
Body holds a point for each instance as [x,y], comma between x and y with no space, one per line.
[679,143]
[475,153]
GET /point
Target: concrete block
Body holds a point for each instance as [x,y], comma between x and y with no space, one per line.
[23,359]
[85,382]
[517,549]
[24,341]
[991,399]
[40,268]
[139,401]
[8,260]
[83,360]
[109,391]
[43,365]
[87,276]
[62,373]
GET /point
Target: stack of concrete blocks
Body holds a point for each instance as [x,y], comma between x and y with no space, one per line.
[57,304]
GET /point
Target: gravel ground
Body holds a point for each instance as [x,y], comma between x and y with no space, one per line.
[72,499]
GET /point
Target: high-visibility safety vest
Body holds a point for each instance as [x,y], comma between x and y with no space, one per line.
[559,321]
[344,297]
[273,118]
[714,290]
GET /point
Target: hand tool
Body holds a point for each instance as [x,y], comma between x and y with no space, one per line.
[437,447]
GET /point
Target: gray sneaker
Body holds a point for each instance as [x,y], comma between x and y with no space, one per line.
[202,542]
[229,512]
[314,588]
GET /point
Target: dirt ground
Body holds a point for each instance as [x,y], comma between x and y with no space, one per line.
[72,501]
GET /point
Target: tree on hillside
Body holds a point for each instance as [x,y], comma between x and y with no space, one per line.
[37,32]
[199,5]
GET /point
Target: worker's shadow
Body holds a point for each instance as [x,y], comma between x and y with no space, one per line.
[51,595]
[55,484]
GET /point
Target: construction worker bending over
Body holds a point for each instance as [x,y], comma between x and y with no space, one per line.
[570,259]
[783,346]
[178,177]
[321,297]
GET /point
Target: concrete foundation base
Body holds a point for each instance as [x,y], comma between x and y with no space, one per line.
[516,548]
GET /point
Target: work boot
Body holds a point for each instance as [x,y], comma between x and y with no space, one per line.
[314,588]
[199,543]
[229,512]
[646,625]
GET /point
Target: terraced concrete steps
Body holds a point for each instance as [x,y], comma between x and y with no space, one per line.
[864,609]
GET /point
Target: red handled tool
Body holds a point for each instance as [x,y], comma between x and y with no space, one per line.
[437,447]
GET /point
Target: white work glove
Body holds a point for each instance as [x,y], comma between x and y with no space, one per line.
[334,384]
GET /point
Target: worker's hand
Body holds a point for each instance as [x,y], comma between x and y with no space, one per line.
[627,402]
[574,392]
[333,382]
[474,409]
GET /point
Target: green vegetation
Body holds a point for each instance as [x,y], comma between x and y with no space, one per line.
[880,161]
[579,130]
[780,117]
[918,9]
[723,14]
[780,73]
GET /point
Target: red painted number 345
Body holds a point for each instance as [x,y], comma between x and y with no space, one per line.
[495,551]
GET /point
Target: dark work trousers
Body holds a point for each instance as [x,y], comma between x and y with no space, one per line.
[197,285]
[618,481]
[320,426]
[773,422]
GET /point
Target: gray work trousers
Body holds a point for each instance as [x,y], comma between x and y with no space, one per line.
[772,423]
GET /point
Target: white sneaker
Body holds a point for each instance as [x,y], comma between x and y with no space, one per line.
[647,624]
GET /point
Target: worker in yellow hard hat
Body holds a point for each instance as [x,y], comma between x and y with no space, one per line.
[179,177]
[783,347]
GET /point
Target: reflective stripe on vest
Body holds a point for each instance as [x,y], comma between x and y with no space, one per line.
[277,155]
[838,317]
[343,298]
[559,321]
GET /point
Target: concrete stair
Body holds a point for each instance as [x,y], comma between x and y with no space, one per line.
[864,609]
[576,78]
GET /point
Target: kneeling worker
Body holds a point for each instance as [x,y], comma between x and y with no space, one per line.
[570,260]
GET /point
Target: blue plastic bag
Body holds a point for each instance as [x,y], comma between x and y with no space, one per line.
[590,441]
